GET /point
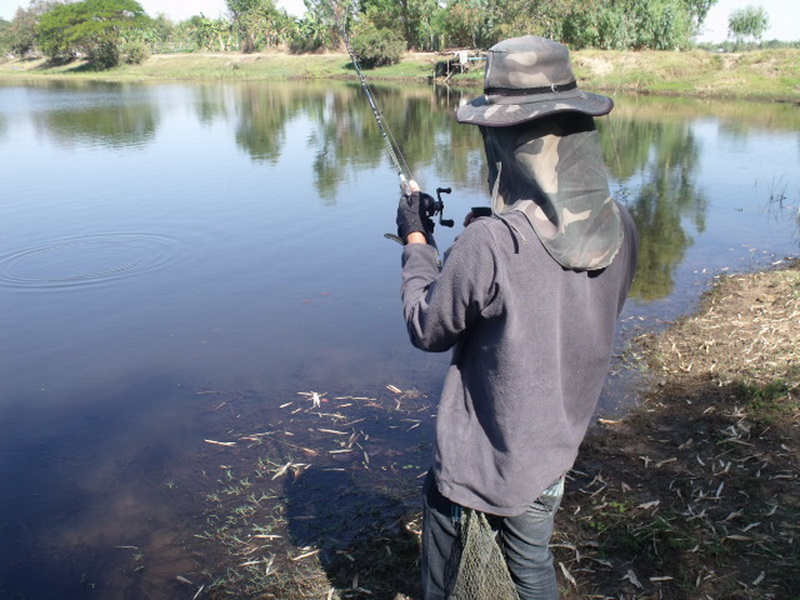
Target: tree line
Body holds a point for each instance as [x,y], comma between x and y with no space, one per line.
[110,32]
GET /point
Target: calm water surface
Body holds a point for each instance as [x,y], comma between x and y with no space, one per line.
[179,262]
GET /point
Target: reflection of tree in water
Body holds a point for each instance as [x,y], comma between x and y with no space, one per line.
[211,101]
[665,156]
[113,124]
[264,112]
[462,157]
[422,125]
[346,135]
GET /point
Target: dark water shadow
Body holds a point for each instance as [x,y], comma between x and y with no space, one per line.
[87,507]
[365,546]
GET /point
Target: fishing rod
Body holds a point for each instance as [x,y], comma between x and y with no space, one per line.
[433,207]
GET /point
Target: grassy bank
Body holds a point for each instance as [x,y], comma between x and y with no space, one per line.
[759,75]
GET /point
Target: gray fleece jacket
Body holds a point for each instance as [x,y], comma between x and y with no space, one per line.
[532,344]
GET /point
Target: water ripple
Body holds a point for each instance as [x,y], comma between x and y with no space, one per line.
[85,260]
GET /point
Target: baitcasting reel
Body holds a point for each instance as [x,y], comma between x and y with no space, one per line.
[436,207]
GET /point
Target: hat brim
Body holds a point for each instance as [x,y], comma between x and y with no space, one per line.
[482,111]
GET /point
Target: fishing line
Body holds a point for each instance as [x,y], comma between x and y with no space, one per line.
[432,207]
[395,153]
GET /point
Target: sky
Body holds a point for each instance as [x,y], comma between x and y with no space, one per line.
[783,21]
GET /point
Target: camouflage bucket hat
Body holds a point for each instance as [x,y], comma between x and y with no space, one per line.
[528,78]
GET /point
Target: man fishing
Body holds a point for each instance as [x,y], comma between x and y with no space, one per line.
[527,298]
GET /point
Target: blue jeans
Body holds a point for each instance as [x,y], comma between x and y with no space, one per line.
[524,539]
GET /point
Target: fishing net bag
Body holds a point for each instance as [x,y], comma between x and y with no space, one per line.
[477,569]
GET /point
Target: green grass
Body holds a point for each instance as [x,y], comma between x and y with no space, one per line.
[757,75]
[223,67]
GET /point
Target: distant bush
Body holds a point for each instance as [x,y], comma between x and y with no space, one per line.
[105,55]
[377,47]
[609,28]
[307,36]
[135,53]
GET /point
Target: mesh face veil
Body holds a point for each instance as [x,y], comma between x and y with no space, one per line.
[552,170]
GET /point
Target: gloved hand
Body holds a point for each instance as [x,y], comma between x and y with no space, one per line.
[413,214]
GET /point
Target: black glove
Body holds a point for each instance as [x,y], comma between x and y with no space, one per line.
[413,214]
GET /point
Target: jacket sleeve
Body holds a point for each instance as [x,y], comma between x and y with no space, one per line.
[439,305]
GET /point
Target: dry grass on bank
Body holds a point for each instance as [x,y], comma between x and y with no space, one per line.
[757,75]
[697,494]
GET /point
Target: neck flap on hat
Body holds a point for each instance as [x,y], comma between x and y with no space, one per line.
[552,170]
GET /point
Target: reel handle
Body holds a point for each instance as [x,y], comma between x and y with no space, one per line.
[439,208]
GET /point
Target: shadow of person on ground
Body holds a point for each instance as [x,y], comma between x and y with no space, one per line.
[364,543]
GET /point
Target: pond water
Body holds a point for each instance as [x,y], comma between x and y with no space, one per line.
[184,264]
